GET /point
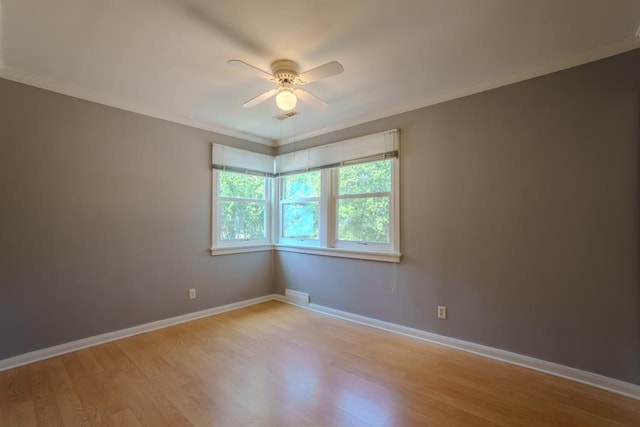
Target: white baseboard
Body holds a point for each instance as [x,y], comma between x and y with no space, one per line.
[46,353]
[584,377]
[588,378]
[281,298]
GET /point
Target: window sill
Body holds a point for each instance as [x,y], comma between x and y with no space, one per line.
[239,249]
[342,253]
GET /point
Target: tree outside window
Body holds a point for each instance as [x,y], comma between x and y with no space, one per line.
[242,206]
[300,206]
[363,202]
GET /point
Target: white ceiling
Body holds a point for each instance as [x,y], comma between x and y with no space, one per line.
[168,58]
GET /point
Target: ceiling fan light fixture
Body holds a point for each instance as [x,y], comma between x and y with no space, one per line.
[286,100]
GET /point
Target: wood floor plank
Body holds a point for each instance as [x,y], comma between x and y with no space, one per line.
[18,384]
[192,405]
[124,418]
[145,407]
[22,413]
[96,403]
[273,364]
[217,405]
[68,400]
[89,362]
[46,407]
[4,398]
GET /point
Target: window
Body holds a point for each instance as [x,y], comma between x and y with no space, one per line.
[363,204]
[347,211]
[242,207]
[300,208]
[339,199]
[242,195]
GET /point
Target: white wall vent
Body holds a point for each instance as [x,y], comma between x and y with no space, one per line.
[296,297]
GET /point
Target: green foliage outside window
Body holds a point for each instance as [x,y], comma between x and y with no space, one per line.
[240,185]
[364,219]
[300,220]
[363,178]
[365,216]
[300,216]
[245,218]
[363,204]
[302,185]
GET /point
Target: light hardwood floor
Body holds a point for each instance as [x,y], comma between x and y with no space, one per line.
[274,364]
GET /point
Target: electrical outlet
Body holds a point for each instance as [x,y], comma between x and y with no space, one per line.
[442,312]
[192,293]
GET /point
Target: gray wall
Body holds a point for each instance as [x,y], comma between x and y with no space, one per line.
[105,221]
[519,212]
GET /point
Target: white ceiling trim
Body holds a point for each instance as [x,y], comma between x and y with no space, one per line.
[111,101]
[575,60]
[579,58]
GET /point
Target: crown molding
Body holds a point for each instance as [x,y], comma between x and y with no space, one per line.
[579,58]
[122,104]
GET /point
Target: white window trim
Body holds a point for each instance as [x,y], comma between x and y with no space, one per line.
[224,247]
[326,244]
[278,213]
[342,253]
[240,249]
[394,223]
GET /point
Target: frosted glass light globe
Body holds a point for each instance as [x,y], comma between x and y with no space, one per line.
[286,100]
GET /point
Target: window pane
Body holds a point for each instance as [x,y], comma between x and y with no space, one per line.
[300,220]
[302,185]
[370,177]
[234,184]
[242,220]
[364,219]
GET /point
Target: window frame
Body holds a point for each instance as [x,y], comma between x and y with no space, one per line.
[281,200]
[336,197]
[326,159]
[220,246]
[328,243]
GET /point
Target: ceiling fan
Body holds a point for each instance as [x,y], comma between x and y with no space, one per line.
[284,73]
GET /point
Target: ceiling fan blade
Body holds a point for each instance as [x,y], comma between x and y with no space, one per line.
[327,70]
[250,68]
[260,98]
[310,98]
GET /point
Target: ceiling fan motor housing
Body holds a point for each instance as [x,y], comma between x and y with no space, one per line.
[285,72]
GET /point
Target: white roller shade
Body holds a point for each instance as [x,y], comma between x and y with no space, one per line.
[382,145]
[235,159]
[365,148]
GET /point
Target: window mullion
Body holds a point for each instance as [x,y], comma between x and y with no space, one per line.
[325,226]
[268,214]
[276,223]
[215,226]
[331,182]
